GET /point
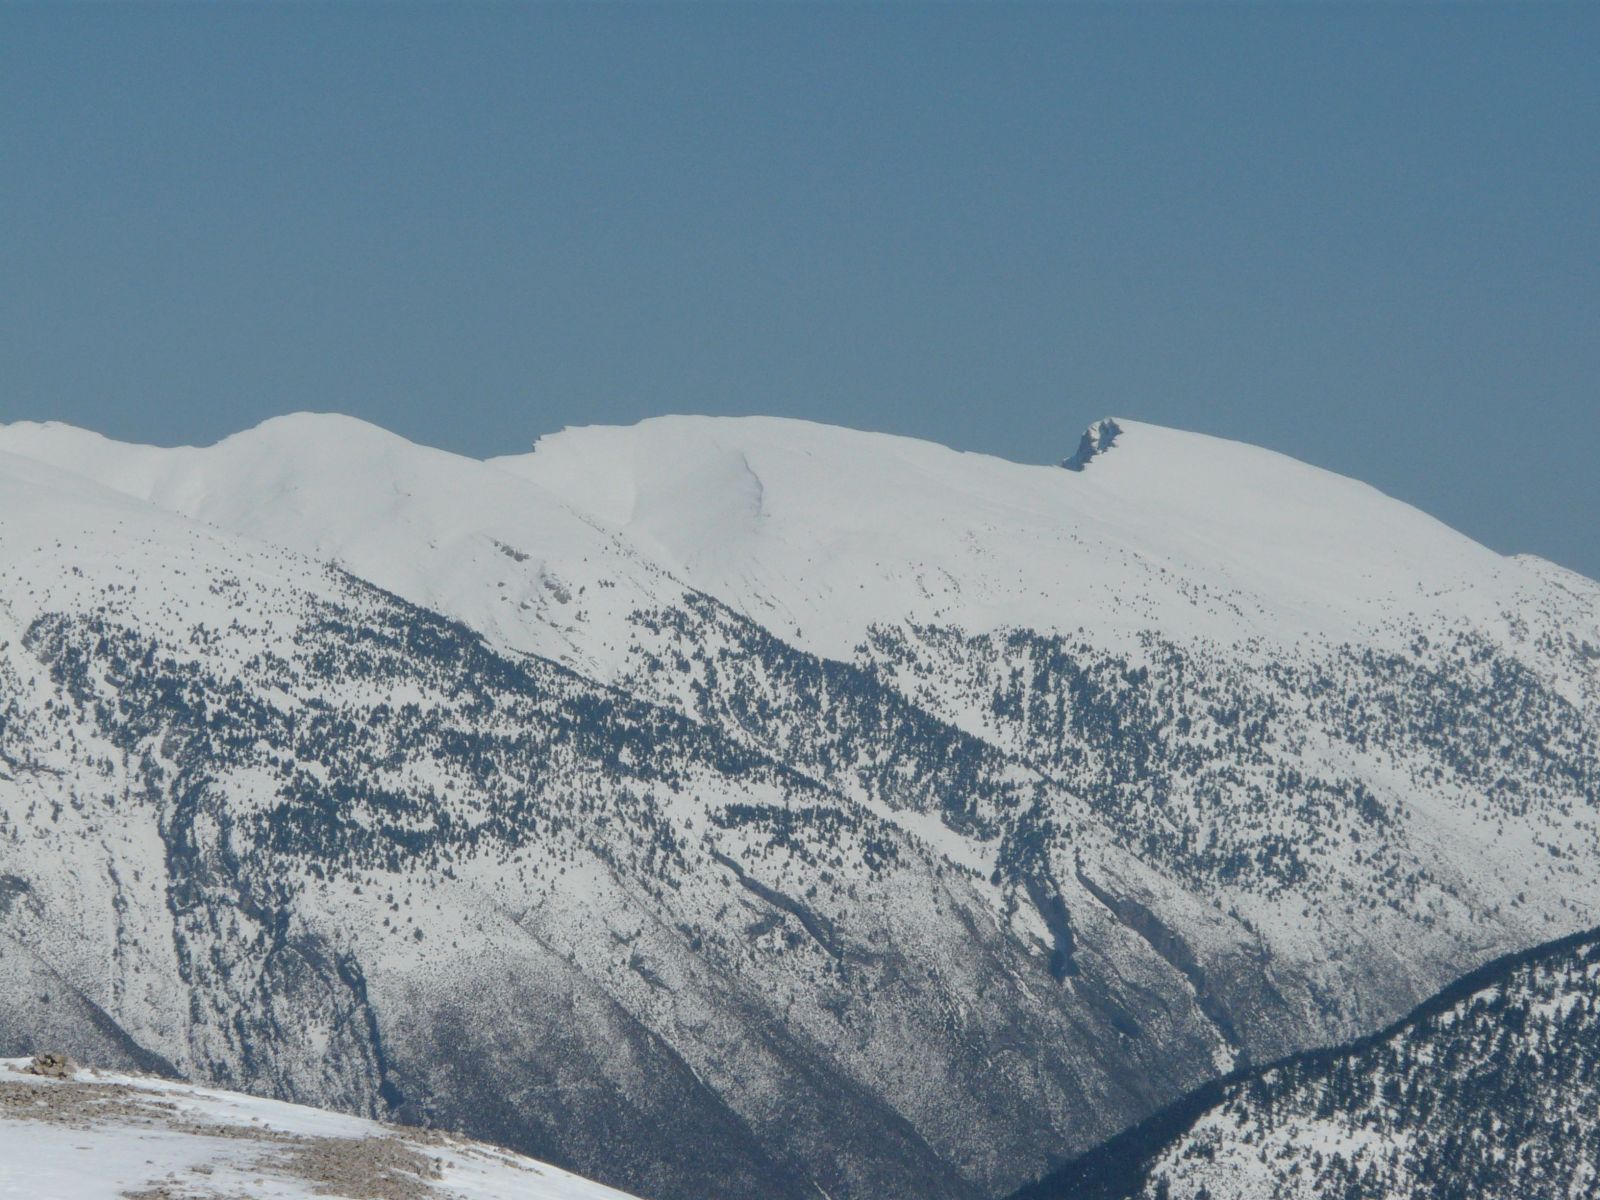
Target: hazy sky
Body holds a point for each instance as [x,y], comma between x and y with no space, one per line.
[1369,237]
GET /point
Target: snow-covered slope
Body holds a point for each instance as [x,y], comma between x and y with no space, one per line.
[821,532]
[746,807]
[79,1134]
[444,531]
[282,831]
[1489,1090]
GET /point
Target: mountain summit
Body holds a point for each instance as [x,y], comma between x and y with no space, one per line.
[1096,440]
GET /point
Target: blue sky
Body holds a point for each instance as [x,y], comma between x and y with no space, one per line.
[1366,236]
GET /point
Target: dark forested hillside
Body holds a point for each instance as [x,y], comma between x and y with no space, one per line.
[1488,1091]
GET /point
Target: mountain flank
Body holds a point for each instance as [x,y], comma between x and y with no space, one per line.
[750,808]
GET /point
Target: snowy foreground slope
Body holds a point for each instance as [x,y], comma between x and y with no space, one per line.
[743,808]
[1490,1091]
[97,1135]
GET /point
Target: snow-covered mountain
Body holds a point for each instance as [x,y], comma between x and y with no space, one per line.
[69,1133]
[1489,1090]
[749,807]
[823,533]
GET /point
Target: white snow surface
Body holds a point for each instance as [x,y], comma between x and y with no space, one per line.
[107,1136]
[824,531]
[820,533]
[447,532]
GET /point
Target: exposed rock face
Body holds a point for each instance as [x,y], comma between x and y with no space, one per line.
[1096,440]
[652,861]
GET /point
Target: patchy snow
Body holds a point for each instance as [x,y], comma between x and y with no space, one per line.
[106,1136]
